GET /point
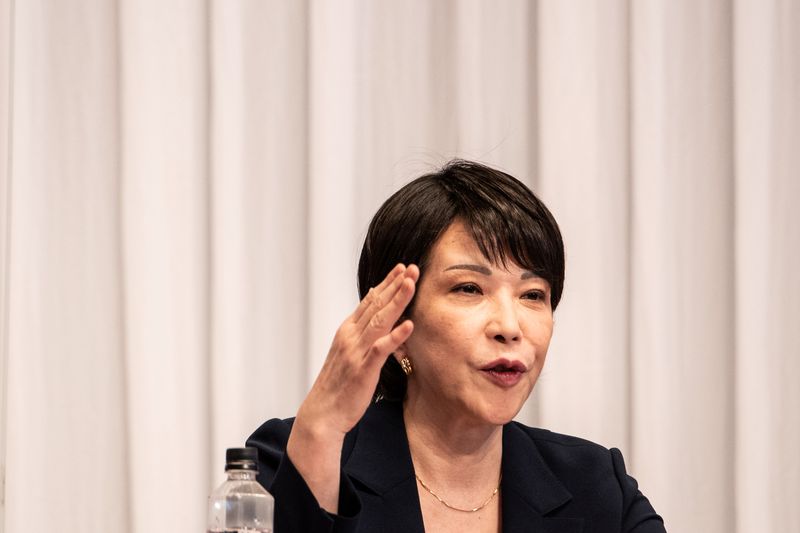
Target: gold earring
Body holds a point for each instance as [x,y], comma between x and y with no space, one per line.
[405,364]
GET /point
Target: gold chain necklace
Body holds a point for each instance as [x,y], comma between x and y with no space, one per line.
[478,508]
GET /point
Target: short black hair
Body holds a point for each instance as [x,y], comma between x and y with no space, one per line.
[507,221]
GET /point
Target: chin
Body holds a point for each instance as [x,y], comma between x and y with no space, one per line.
[503,412]
[500,420]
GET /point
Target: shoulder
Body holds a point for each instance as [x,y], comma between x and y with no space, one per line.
[274,430]
[595,477]
[270,440]
[272,436]
[573,460]
[559,445]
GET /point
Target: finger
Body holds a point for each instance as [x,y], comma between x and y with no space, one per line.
[378,300]
[374,291]
[382,321]
[392,311]
[412,271]
[387,344]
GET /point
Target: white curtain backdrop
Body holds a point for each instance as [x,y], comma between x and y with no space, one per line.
[184,186]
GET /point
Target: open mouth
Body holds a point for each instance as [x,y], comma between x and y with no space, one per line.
[503,372]
[504,365]
[501,369]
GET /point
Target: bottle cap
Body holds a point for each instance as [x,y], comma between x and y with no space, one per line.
[241,459]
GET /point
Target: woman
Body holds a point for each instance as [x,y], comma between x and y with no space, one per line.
[408,427]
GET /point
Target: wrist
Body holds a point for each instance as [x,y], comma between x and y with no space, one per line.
[316,451]
[319,425]
[316,433]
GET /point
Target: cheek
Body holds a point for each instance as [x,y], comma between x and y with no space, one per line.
[430,331]
[540,339]
[440,335]
[540,332]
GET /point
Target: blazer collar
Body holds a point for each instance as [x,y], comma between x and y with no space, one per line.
[530,489]
[380,458]
[381,461]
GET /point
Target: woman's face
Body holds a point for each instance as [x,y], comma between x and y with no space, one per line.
[481,333]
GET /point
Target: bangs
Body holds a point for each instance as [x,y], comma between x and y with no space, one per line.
[509,226]
[502,242]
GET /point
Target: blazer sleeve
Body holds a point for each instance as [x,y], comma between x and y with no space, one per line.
[638,516]
[296,508]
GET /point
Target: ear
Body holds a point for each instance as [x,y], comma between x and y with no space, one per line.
[400,352]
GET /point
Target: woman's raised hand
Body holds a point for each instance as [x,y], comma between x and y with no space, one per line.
[345,385]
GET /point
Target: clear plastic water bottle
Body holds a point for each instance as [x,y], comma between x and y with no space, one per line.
[240,504]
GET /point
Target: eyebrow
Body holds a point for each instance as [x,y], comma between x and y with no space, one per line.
[475,268]
[487,271]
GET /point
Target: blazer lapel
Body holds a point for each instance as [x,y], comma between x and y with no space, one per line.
[380,462]
[530,490]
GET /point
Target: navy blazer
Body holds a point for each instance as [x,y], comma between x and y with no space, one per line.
[551,483]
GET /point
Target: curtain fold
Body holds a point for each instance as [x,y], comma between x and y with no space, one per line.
[767,190]
[65,437]
[259,129]
[584,178]
[682,232]
[258,217]
[184,189]
[5,190]
[165,259]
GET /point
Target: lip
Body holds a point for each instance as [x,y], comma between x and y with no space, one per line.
[515,365]
[506,378]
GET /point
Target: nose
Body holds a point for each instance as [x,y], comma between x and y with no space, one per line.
[503,324]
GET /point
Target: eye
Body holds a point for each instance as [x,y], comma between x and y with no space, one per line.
[536,296]
[467,288]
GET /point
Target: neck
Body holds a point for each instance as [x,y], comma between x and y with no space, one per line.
[451,454]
